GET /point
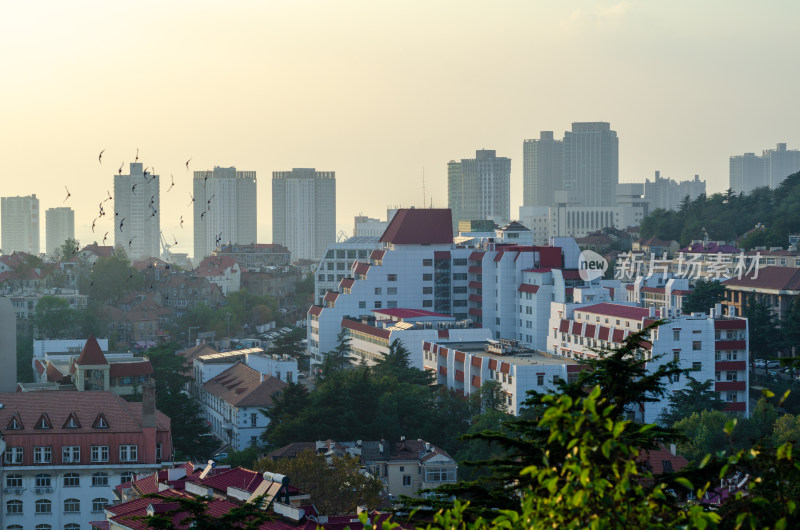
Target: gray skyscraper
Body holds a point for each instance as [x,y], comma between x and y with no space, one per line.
[304,211]
[19,219]
[747,172]
[485,188]
[542,170]
[59,226]
[137,208]
[591,163]
[225,209]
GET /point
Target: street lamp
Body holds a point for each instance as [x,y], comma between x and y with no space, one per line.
[190,334]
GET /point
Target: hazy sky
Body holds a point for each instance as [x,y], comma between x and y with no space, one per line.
[377,91]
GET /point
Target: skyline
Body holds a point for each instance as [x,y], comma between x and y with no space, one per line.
[379,93]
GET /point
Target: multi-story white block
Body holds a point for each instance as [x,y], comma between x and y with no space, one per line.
[304,211]
[59,226]
[338,261]
[19,222]
[225,209]
[137,212]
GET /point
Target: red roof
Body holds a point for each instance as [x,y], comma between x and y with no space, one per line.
[476,256]
[475,269]
[361,268]
[528,288]
[549,256]
[616,310]
[377,254]
[425,226]
[366,328]
[441,254]
[215,265]
[91,354]
[315,310]
[142,367]
[331,296]
[347,283]
[409,313]
[603,333]
[564,326]
[242,386]
[774,278]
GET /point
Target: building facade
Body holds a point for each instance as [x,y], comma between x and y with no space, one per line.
[542,170]
[667,194]
[59,226]
[304,211]
[480,187]
[64,456]
[750,171]
[137,212]
[338,260]
[19,224]
[591,163]
[225,209]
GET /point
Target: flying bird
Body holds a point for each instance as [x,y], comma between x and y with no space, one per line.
[208,202]
[100,157]
[173,182]
[104,238]
[173,238]
[181,221]
[130,241]
[152,198]
[203,216]
[206,178]
[121,223]
[192,201]
[187,163]
[68,193]
[120,167]
[219,238]
[109,197]
[102,212]
[137,155]
[93,223]
[133,188]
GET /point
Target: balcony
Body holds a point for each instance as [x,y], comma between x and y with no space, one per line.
[730,365]
[722,386]
[723,345]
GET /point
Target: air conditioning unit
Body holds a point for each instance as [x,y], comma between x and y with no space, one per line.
[18,491]
[38,491]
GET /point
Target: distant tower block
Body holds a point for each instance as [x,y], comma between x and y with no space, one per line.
[8,346]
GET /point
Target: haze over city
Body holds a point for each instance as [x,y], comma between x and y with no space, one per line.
[379,93]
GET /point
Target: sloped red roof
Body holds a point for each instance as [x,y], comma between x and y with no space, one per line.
[425,226]
[528,288]
[616,310]
[243,386]
[215,265]
[775,278]
[365,328]
[91,353]
[143,367]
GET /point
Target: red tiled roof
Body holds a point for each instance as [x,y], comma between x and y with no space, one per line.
[499,255]
[331,296]
[655,459]
[377,254]
[564,326]
[361,268]
[347,283]
[53,374]
[616,310]
[528,288]
[774,278]
[142,367]
[549,256]
[241,478]
[619,336]
[215,265]
[425,226]
[409,313]
[315,310]
[476,256]
[91,354]
[603,333]
[366,328]
[243,386]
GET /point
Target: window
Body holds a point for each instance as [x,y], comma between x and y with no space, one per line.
[732,397]
[14,424]
[43,526]
[44,506]
[427,277]
[99,504]
[676,334]
[42,480]
[13,455]
[697,366]
[731,375]
[378,304]
[70,454]
[378,290]
[253,419]
[72,526]
[362,304]
[14,481]
[254,441]
[72,480]
[100,479]
[14,507]
[440,474]
[72,506]
[42,455]
[128,476]
[540,379]
[697,345]
[99,453]
[676,355]
[391,290]
[391,277]
[158,451]
[406,480]
[427,262]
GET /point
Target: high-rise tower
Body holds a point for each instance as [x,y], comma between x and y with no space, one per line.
[485,187]
[304,211]
[225,209]
[591,163]
[137,209]
[542,170]
[19,219]
[59,226]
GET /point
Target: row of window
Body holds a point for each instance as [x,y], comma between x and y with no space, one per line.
[45,506]
[71,454]
[45,526]
[71,480]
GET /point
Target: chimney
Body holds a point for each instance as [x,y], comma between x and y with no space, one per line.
[149,423]
[673,449]
[652,311]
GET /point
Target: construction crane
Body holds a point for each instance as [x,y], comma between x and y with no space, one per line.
[166,255]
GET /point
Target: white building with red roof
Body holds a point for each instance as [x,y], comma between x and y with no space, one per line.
[223,271]
[65,452]
[714,346]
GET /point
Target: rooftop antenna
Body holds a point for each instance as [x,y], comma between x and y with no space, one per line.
[424,198]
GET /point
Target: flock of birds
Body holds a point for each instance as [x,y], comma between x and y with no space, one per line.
[149,176]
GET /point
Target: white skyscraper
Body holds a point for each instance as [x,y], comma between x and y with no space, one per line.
[542,170]
[591,163]
[137,209]
[304,211]
[59,226]
[225,209]
[19,221]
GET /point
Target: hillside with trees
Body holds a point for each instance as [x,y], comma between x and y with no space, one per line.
[727,216]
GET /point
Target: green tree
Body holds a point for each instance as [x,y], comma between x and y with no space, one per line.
[702,433]
[765,334]
[192,512]
[54,318]
[787,429]
[245,458]
[111,278]
[397,363]
[339,358]
[67,250]
[337,484]
[696,397]
[706,294]
[190,434]
[791,328]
